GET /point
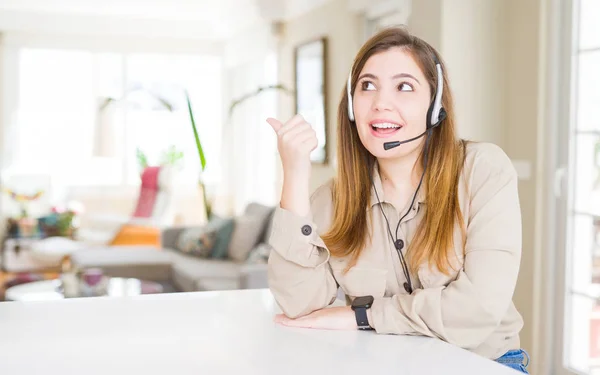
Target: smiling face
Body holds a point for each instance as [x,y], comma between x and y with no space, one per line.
[391,100]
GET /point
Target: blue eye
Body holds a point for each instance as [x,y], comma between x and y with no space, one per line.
[405,87]
[367,86]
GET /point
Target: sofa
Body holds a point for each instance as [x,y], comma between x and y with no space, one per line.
[244,266]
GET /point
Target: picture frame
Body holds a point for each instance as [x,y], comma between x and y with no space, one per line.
[310,95]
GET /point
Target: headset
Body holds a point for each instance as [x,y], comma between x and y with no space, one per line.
[435,115]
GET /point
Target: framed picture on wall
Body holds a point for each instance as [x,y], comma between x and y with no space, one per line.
[310,79]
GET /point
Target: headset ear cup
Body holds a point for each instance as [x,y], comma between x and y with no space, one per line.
[429,111]
[442,115]
[349,93]
[436,112]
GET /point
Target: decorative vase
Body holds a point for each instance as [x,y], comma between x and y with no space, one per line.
[93,283]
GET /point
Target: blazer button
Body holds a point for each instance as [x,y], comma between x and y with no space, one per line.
[306,230]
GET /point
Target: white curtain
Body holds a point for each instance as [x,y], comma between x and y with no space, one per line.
[249,144]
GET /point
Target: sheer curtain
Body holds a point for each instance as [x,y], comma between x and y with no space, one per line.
[250,146]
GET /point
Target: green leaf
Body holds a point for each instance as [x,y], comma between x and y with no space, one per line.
[141,158]
[171,156]
[198,144]
[106,102]
[164,102]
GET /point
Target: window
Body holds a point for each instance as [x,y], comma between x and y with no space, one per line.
[154,131]
[582,313]
[56,112]
[61,130]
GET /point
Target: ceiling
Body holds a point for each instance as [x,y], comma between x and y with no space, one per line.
[196,19]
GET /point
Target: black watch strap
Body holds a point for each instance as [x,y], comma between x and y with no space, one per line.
[361,318]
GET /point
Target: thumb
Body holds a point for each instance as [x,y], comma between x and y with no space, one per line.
[275,124]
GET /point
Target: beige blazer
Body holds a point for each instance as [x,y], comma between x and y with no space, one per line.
[472,308]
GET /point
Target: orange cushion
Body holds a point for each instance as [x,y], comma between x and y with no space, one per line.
[130,234]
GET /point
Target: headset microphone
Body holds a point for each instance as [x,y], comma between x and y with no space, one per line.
[394,144]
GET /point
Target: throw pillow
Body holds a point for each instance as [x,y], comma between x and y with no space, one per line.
[260,254]
[210,240]
[224,234]
[246,234]
[197,241]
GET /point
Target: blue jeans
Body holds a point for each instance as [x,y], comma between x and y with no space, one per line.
[514,359]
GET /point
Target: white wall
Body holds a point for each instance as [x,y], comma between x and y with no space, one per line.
[522,62]
[468,35]
[344,32]
[425,20]
[474,53]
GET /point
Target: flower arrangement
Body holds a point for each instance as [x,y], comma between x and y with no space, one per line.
[61,222]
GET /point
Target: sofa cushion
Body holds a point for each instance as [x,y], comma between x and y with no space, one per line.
[246,233]
[210,240]
[221,248]
[268,228]
[248,230]
[259,254]
[189,272]
[259,210]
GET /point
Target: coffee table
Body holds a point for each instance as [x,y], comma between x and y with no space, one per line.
[48,290]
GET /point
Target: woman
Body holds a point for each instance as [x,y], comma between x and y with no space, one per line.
[421,230]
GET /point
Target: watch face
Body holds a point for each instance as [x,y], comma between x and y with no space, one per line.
[364,301]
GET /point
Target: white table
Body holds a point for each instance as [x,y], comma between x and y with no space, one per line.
[48,290]
[229,332]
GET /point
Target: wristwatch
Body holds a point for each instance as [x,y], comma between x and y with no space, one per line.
[360,306]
